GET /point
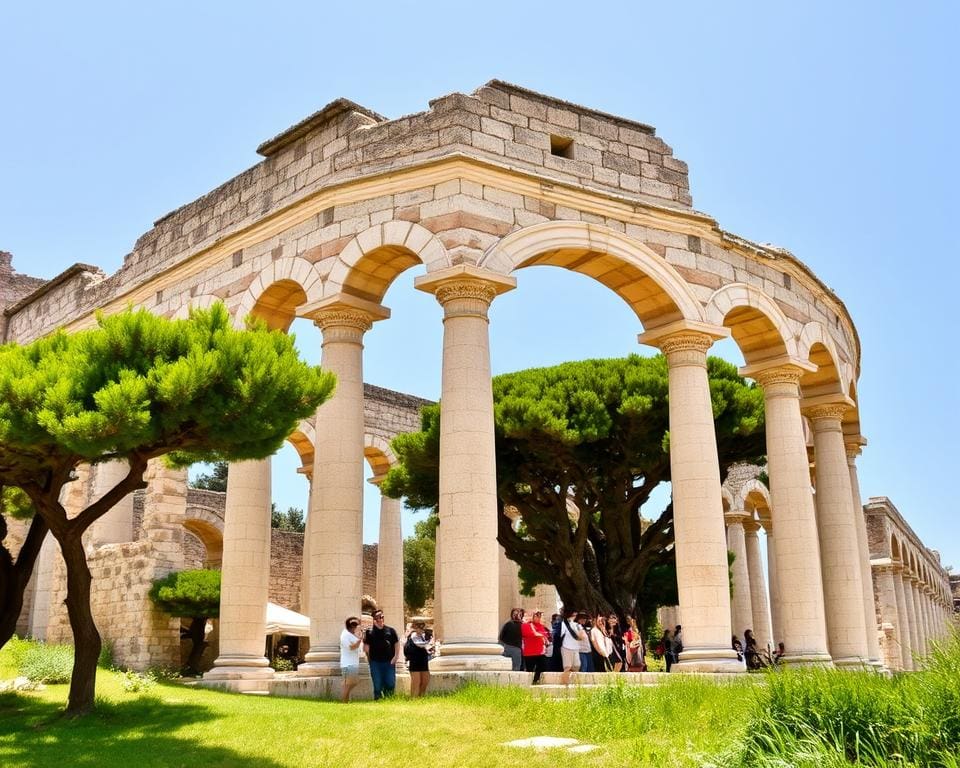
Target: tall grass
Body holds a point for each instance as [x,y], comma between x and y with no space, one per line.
[834,718]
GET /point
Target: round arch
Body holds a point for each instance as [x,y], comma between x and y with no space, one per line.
[817,347]
[727,498]
[757,324]
[207,525]
[278,290]
[371,261]
[655,291]
[378,453]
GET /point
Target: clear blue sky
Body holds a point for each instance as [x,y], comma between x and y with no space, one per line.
[826,128]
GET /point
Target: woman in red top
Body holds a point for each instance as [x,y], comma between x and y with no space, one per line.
[534,636]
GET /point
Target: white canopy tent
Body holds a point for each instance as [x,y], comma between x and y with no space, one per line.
[283,621]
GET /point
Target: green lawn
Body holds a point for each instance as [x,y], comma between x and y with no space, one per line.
[676,725]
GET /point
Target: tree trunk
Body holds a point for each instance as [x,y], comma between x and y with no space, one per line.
[86,638]
[197,634]
[14,577]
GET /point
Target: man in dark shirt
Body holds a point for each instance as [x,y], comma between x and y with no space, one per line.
[381,645]
[511,641]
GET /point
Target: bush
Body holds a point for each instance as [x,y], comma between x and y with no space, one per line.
[105,660]
[43,663]
[137,682]
[282,665]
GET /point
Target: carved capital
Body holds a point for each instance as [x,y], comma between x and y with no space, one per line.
[466,288]
[355,319]
[737,517]
[780,375]
[685,341]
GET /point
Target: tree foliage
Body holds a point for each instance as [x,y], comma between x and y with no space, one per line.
[291,520]
[193,595]
[134,388]
[580,448]
[419,553]
[216,480]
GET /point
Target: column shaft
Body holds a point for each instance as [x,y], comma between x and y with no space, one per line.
[839,548]
[390,561]
[758,589]
[469,587]
[903,628]
[776,623]
[703,582]
[888,614]
[920,649]
[866,573]
[797,562]
[336,499]
[741,603]
[911,619]
[245,574]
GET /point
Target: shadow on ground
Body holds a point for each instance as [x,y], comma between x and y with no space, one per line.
[134,734]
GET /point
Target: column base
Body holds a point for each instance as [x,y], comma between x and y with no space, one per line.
[471,656]
[240,668]
[808,659]
[325,662]
[852,662]
[722,660]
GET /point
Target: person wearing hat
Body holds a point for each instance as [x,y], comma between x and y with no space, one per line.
[534,635]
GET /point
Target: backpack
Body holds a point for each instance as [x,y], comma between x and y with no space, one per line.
[409,648]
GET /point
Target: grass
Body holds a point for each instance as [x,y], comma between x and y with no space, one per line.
[819,718]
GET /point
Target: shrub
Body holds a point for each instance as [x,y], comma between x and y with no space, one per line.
[137,682]
[105,660]
[43,663]
[282,665]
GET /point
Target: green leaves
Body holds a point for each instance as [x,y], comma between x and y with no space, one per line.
[195,388]
[188,593]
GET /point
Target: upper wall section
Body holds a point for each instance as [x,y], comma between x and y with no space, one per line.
[503,178]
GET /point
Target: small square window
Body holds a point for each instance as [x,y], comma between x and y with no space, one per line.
[561,146]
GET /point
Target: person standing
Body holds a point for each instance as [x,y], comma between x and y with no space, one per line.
[633,643]
[676,645]
[511,639]
[571,634]
[535,636]
[618,653]
[586,656]
[382,646]
[665,649]
[601,645]
[350,641]
[417,650]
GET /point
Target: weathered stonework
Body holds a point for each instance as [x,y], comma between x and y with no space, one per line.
[476,188]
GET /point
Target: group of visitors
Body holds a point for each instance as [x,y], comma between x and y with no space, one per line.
[670,646]
[749,653]
[381,646]
[573,642]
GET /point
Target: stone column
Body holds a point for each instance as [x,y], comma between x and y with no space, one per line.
[920,649]
[390,559]
[903,622]
[305,556]
[741,603]
[438,589]
[245,575]
[839,547]
[927,615]
[853,450]
[508,585]
[776,624]
[703,582]
[468,473]
[336,500]
[116,526]
[911,618]
[758,587]
[888,611]
[797,561]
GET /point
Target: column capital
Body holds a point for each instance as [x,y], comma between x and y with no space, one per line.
[751,526]
[826,413]
[682,335]
[343,312]
[465,281]
[779,370]
[737,517]
[376,480]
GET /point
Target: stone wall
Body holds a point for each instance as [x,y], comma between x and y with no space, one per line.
[13,287]
[286,567]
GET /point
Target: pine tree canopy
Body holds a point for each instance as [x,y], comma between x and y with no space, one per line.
[580,447]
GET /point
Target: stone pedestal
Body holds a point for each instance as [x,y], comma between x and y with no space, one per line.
[468,492]
[336,499]
[245,575]
[800,609]
[703,582]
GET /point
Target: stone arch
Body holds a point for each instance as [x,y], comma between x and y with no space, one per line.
[206,524]
[817,347]
[303,439]
[895,553]
[655,291]
[278,290]
[371,261]
[756,497]
[758,325]
[378,453]
[726,497]
[196,302]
